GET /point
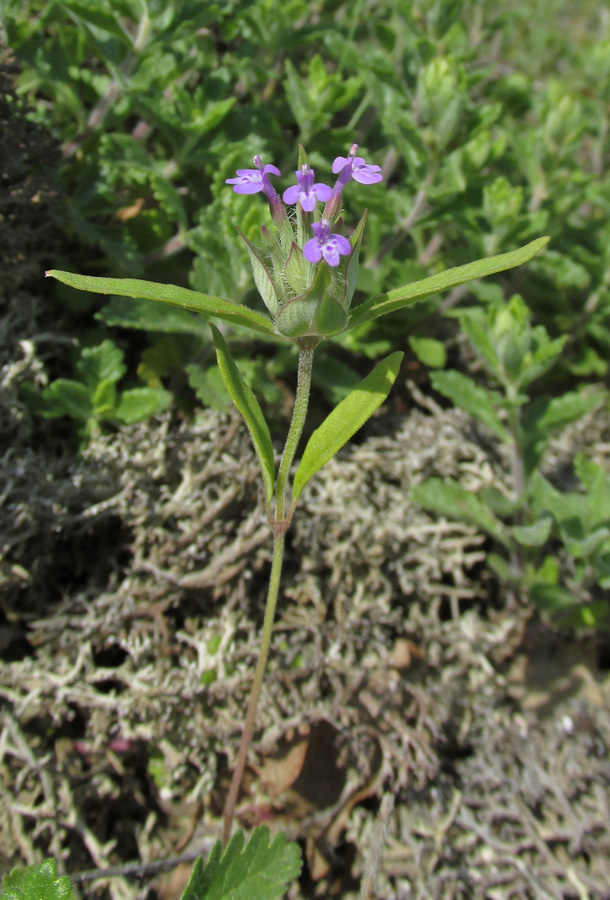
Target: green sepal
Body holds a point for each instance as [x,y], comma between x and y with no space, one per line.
[315,313]
[168,293]
[345,419]
[351,270]
[262,278]
[297,270]
[248,406]
[404,296]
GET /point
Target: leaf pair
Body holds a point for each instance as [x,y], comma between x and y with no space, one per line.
[342,423]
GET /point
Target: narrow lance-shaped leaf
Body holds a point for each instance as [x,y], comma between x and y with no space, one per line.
[248,405]
[346,418]
[168,293]
[410,293]
[259,871]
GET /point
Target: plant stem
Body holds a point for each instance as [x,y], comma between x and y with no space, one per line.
[279,525]
[238,772]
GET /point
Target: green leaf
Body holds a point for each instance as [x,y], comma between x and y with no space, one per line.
[169,293]
[534,535]
[73,397]
[562,411]
[248,405]
[448,498]
[140,403]
[262,278]
[401,297]
[101,363]
[148,315]
[471,397]
[346,419]
[259,871]
[351,270]
[429,351]
[39,882]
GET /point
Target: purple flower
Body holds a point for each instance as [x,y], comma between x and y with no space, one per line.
[252,181]
[358,169]
[327,245]
[305,191]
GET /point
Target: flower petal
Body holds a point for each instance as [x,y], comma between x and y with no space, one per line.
[291,194]
[307,199]
[312,251]
[322,191]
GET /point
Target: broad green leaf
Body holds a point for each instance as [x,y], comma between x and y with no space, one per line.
[140,403]
[38,882]
[101,363]
[168,293]
[104,400]
[345,419]
[248,405]
[72,396]
[259,871]
[471,397]
[410,293]
[448,498]
[429,351]
[534,535]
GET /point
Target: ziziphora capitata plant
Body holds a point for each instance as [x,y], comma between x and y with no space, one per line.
[306,269]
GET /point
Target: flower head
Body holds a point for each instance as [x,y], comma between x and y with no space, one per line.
[252,181]
[353,166]
[305,191]
[327,245]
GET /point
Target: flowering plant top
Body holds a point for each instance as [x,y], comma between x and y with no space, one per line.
[306,270]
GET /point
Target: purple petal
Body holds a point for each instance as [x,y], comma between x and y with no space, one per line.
[331,253]
[246,187]
[273,169]
[338,164]
[252,173]
[343,244]
[312,251]
[307,199]
[322,191]
[367,174]
[291,194]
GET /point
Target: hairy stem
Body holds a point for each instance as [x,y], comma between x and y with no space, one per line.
[280,524]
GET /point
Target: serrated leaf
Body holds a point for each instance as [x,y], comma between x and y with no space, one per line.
[38,882]
[248,406]
[345,419]
[471,397]
[169,293]
[259,871]
[448,498]
[562,411]
[101,363]
[140,403]
[401,297]
[73,397]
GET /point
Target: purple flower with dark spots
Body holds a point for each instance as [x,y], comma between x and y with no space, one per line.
[327,245]
[305,191]
[252,181]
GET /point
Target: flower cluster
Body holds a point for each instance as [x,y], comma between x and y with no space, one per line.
[306,299]
[324,245]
